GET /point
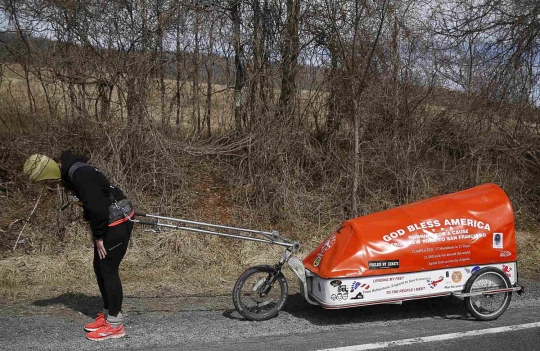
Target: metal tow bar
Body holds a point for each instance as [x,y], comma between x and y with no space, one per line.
[272,237]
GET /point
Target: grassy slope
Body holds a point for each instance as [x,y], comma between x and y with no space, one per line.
[170,263]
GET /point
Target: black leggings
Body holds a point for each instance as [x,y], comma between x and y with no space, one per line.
[116,243]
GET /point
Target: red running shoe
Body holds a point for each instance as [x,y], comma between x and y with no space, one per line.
[96,324]
[106,332]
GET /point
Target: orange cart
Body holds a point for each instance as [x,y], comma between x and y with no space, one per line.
[460,244]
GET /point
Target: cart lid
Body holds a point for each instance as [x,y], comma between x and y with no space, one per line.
[470,227]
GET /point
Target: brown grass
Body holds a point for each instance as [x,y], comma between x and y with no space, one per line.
[58,257]
[170,263]
[528,244]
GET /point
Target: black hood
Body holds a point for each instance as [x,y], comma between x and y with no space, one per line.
[67,160]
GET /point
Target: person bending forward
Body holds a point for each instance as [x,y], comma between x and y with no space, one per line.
[111,229]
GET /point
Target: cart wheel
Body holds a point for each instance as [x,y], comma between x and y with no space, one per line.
[260,293]
[492,306]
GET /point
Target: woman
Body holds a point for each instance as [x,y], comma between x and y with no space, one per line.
[107,211]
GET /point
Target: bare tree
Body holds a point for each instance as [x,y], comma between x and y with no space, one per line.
[239,64]
[289,63]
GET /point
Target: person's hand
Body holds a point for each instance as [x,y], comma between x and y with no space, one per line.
[100,248]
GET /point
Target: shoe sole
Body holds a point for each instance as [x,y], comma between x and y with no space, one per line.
[116,336]
[90,329]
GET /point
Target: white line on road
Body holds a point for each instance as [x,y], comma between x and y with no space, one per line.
[404,342]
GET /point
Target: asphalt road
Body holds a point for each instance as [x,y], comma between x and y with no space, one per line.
[210,323]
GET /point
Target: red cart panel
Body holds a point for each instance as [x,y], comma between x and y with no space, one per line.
[470,227]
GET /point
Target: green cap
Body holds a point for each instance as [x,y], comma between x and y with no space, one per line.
[41,167]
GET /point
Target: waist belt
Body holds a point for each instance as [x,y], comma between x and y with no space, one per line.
[120,211]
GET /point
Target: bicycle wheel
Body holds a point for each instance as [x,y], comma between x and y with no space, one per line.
[260,293]
[487,307]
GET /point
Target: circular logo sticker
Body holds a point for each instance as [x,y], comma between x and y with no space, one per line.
[456,276]
[317,261]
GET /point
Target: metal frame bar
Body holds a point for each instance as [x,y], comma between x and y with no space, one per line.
[269,237]
[488,292]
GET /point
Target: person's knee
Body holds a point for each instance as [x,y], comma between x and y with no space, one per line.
[108,269]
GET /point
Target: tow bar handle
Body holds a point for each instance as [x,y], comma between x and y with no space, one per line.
[238,233]
[142,214]
[145,222]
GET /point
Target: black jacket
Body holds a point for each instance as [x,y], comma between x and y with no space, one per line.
[93,190]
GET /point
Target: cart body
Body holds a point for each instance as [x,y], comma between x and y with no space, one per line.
[425,249]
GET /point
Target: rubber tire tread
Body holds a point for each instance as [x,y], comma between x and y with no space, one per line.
[240,283]
[468,287]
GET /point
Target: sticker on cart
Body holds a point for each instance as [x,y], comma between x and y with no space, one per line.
[497,240]
[328,243]
[456,276]
[342,289]
[433,283]
[506,269]
[355,285]
[386,264]
[317,261]
[505,253]
[335,283]
[358,296]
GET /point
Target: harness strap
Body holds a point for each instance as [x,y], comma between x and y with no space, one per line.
[122,220]
[116,212]
[78,165]
[75,167]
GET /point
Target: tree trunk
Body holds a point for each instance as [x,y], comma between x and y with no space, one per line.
[395,78]
[26,56]
[290,52]
[358,84]
[356,157]
[178,70]
[266,88]
[257,66]
[196,113]
[332,121]
[160,63]
[238,57]
[209,76]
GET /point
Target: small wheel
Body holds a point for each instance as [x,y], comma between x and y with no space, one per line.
[487,307]
[260,293]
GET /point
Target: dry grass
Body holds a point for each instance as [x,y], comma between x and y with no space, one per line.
[58,257]
[170,263]
[528,245]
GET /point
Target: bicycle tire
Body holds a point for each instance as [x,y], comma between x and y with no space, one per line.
[487,278]
[249,298]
